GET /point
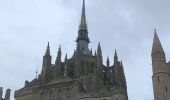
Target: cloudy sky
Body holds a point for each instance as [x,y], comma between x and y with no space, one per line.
[126,25]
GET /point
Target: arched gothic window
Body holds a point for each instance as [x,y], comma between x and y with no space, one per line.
[166,89]
[158,78]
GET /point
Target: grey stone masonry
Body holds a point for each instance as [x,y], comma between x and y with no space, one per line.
[83,76]
[161,71]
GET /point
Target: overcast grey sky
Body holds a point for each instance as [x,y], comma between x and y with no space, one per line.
[126,25]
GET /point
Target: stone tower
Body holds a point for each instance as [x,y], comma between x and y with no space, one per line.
[7,94]
[119,81]
[161,71]
[46,65]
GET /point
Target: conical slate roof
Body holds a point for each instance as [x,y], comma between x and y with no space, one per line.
[157,47]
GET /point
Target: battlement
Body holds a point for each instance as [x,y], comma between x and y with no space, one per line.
[7,94]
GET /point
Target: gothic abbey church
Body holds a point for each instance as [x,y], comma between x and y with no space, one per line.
[80,77]
[161,71]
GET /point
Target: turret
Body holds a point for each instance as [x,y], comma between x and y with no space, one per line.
[58,70]
[119,76]
[99,69]
[7,95]
[119,80]
[161,78]
[47,57]
[99,54]
[46,63]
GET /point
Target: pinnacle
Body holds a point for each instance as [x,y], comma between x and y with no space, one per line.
[108,59]
[59,52]
[59,48]
[48,49]
[157,47]
[48,45]
[121,63]
[99,47]
[66,57]
[108,62]
[115,56]
[99,50]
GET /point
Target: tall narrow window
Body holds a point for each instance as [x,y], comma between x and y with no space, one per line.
[90,84]
[68,97]
[92,68]
[166,89]
[158,79]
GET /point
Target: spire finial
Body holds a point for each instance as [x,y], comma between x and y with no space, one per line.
[59,47]
[99,47]
[48,45]
[84,3]
[115,53]
[108,62]
[83,24]
[155,30]
[115,56]
[48,49]
[59,52]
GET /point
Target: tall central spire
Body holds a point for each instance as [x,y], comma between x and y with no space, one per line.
[83,24]
[83,39]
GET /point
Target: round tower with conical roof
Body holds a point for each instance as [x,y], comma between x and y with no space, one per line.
[161,74]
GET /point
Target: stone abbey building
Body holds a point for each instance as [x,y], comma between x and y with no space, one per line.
[80,77]
[161,71]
